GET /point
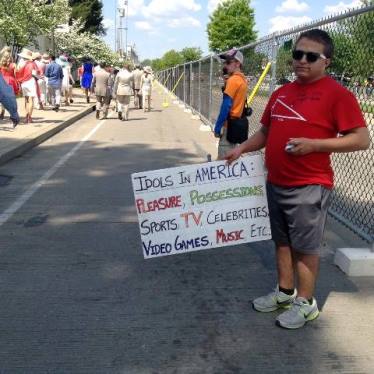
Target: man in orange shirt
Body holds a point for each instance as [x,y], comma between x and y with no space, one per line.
[231,125]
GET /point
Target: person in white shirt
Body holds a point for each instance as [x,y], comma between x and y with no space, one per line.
[138,100]
[122,91]
[146,88]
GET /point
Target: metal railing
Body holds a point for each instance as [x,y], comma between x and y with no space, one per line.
[353,66]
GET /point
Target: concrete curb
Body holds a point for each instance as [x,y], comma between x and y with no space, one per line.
[41,136]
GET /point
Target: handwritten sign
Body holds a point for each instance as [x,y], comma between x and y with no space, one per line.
[196,207]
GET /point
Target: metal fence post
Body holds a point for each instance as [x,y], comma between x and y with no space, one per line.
[274,54]
[199,92]
[191,85]
[210,89]
[184,83]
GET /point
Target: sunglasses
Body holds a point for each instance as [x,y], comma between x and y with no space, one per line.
[311,57]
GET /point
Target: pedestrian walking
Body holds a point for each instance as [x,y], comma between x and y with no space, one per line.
[232,124]
[110,87]
[300,127]
[87,77]
[8,72]
[27,76]
[115,71]
[123,91]
[100,85]
[80,75]
[138,74]
[70,92]
[8,100]
[44,87]
[55,75]
[39,101]
[146,88]
[67,80]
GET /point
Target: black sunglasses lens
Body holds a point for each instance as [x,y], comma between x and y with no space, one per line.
[312,57]
[297,55]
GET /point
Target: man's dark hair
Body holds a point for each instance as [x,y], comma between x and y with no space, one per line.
[102,64]
[52,57]
[321,37]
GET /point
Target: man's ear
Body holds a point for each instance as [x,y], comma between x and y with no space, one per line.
[328,62]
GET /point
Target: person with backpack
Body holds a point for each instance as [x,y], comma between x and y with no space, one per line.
[232,125]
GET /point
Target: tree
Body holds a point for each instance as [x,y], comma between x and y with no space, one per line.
[344,59]
[91,13]
[22,21]
[157,64]
[80,43]
[231,25]
[254,62]
[354,50]
[146,62]
[284,62]
[171,58]
[191,54]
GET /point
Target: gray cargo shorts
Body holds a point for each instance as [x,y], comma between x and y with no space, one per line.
[298,216]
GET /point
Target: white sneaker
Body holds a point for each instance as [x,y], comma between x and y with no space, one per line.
[300,313]
[273,301]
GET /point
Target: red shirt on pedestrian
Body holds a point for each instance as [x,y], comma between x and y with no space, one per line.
[318,110]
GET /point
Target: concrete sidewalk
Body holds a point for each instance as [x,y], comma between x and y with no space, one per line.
[46,123]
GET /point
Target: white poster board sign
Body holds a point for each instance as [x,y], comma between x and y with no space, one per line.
[196,207]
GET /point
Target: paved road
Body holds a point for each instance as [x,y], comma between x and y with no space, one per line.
[78,297]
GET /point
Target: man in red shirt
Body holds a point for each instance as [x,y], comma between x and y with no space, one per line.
[303,123]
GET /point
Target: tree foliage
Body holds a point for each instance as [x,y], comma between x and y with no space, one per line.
[91,13]
[80,43]
[354,49]
[191,54]
[22,21]
[172,58]
[231,25]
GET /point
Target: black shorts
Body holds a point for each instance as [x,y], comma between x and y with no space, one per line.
[298,216]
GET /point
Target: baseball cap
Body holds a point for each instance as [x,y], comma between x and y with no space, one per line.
[232,54]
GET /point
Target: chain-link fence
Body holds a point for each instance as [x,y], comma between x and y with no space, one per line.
[352,66]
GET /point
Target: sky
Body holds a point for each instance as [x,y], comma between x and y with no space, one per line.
[156,26]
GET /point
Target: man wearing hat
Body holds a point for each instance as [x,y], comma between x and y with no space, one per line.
[234,97]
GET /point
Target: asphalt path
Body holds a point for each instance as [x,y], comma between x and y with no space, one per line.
[77,295]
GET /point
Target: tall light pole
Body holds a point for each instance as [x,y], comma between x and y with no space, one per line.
[121,9]
[126,25]
[115,25]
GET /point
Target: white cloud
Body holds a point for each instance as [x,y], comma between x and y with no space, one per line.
[170,8]
[108,23]
[341,7]
[283,22]
[135,6]
[292,6]
[184,22]
[144,26]
[213,4]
